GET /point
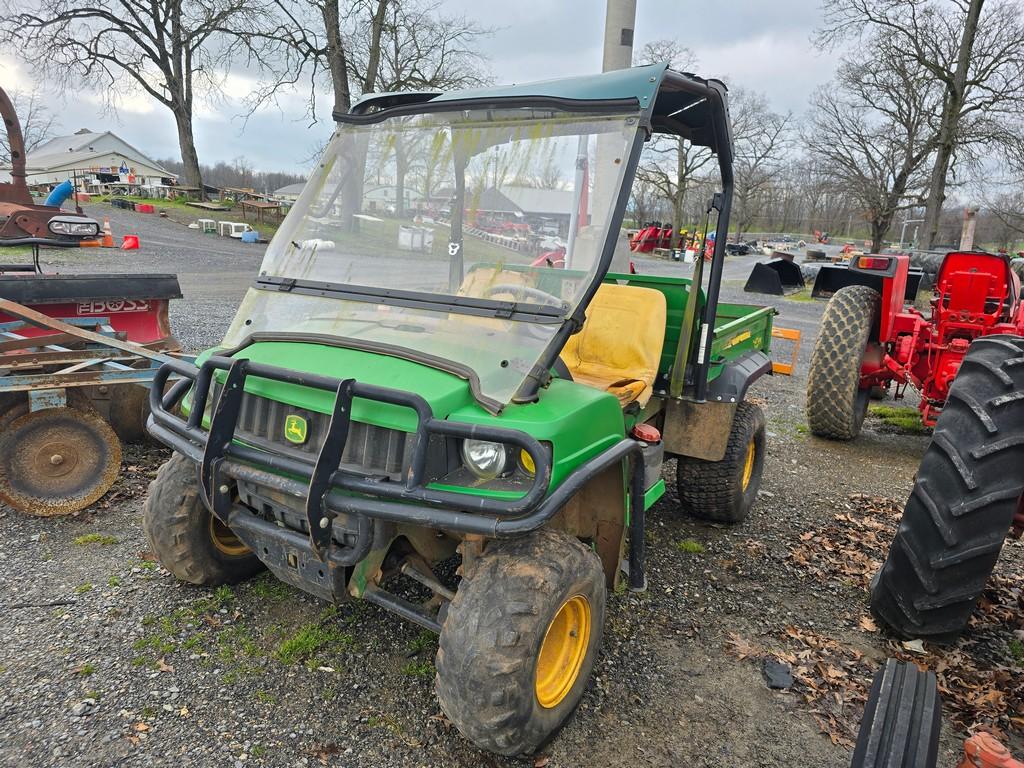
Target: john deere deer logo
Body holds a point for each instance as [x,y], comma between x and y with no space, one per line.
[295,429]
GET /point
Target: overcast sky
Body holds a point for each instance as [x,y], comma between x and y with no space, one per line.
[752,44]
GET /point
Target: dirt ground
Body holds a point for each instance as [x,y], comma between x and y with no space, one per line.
[107,661]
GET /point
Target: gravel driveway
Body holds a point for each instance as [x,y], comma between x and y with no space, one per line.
[108,661]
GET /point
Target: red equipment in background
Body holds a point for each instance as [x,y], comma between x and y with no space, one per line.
[650,237]
[976,294]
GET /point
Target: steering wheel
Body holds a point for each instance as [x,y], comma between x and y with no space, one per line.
[526,292]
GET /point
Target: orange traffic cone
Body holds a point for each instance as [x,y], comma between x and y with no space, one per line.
[108,235]
[131,243]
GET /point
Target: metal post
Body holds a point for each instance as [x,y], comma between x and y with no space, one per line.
[619,22]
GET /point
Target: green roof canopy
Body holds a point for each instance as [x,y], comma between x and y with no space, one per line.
[670,102]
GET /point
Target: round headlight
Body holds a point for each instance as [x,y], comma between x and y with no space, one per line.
[485,459]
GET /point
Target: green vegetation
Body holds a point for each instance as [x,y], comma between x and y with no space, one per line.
[802,295]
[265,698]
[423,641]
[418,669]
[114,581]
[270,589]
[102,539]
[1016,648]
[902,418]
[82,588]
[86,669]
[312,639]
[690,547]
[258,750]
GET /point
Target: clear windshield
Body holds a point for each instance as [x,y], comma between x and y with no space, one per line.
[468,236]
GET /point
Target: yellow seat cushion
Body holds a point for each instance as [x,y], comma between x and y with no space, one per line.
[619,347]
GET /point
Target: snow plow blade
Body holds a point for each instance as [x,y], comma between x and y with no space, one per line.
[776,276]
[832,277]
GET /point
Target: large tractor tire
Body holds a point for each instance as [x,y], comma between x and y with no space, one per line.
[964,498]
[724,491]
[186,538]
[902,719]
[520,640]
[836,403]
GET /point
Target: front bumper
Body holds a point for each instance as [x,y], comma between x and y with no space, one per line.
[336,496]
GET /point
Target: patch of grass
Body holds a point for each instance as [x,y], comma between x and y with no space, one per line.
[690,547]
[157,643]
[422,642]
[102,539]
[224,595]
[114,581]
[148,711]
[87,669]
[83,588]
[265,698]
[804,295]
[312,639]
[258,750]
[418,669]
[193,643]
[270,589]
[147,565]
[904,419]
[802,429]
[1016,648]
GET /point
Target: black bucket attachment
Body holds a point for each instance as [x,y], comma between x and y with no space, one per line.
[776,276]
[832,277]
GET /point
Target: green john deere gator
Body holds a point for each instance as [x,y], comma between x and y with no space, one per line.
[406,383]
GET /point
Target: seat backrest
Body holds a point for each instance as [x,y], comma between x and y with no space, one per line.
[974,284]
[622,337]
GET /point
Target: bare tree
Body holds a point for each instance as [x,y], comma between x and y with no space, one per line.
[761,140]
[969,48]
[172,50]
[668,164]
[870,132]
[36,119]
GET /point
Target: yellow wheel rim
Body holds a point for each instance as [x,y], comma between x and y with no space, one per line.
[748,464]
[225,540]
[562,651]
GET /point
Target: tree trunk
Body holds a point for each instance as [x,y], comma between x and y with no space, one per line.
[373,58]
[946,141]
[187,143]
[337,61]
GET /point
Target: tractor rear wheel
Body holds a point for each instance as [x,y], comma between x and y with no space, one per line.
[963,502]
[187,539]
[724,491]
[836,402]
[520,640]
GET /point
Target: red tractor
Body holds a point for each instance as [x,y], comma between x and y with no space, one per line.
[872,336]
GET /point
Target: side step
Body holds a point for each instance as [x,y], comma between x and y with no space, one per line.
[901,721]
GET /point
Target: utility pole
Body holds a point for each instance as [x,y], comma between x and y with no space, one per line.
[619,21]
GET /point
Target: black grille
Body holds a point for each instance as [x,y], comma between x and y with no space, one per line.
[370,449]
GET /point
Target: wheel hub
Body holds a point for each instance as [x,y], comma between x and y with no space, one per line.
[57,460]
[562,651]
[748,464]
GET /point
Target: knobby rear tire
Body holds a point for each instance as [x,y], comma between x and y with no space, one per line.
[963,501]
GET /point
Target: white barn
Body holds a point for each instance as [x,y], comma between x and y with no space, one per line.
[95,159]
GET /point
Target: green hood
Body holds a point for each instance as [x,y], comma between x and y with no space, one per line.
[444,392]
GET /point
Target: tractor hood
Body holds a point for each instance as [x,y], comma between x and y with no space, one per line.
[444,392]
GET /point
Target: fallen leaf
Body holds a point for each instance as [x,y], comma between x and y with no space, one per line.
[541,761]
[163,666]
[868,624]
[141,727]
[914,646]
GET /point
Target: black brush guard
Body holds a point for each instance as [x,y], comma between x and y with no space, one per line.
[333,494]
